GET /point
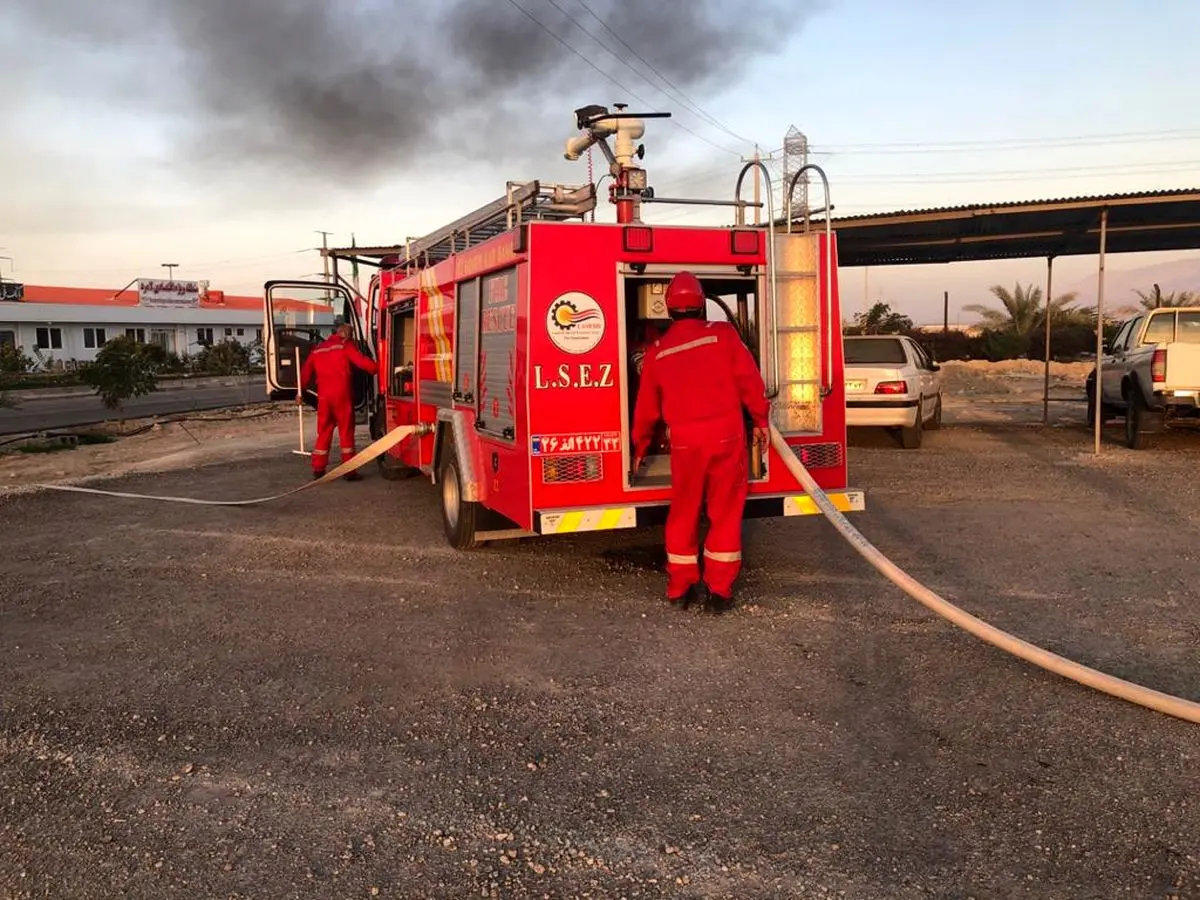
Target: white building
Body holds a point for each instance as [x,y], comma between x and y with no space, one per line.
[65,324]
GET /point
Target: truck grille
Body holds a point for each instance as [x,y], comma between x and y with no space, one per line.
[572,469]
[819,456]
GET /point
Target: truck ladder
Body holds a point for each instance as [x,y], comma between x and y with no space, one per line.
[521,202]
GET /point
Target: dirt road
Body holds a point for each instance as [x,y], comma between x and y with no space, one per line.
[319,699]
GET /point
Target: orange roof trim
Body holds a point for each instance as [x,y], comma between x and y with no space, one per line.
[216,300]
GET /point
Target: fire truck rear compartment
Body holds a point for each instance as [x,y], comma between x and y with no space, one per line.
[733,297]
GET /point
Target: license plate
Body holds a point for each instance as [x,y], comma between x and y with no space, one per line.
[855,385]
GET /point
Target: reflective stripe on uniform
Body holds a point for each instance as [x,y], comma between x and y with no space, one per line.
[718,556]
[681,559]
[320,453]
[690,345]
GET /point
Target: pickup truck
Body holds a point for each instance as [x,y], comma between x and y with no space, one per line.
[1150,373]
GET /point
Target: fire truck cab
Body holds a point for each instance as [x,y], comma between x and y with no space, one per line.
[515,335]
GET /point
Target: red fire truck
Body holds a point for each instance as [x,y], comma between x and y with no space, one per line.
[515,334]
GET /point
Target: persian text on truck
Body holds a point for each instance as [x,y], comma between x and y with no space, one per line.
[513,336]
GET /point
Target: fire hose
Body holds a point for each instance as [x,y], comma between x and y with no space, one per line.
[378,448]
[1108,684]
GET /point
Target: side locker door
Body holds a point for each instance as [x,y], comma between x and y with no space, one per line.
[299,315]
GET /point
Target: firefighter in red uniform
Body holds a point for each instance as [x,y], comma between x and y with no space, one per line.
[698,378]
[331,362]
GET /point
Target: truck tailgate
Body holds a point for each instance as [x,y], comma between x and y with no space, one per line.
[1183,367]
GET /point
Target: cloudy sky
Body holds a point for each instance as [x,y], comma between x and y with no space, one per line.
[221,134]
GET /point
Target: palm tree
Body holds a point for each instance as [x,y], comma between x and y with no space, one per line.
[1023,312]
[1155,298]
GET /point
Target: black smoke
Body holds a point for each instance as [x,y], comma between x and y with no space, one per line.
[361,89]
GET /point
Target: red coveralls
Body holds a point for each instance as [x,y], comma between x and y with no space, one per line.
[331,362]
[698,377]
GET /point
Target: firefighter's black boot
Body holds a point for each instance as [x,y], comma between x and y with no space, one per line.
[317,476]
[718,603]
[352,476]
[693,594]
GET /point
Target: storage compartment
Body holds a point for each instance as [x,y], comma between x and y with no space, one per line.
[733,297]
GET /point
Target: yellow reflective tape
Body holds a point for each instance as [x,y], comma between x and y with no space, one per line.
[610,518]
[601,519]
[570,521]
[843,501]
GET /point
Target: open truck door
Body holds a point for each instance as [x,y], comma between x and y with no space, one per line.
[299,316]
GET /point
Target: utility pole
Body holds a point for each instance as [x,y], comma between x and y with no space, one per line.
[170,267]
[758,158]
[325,259]
[945,312]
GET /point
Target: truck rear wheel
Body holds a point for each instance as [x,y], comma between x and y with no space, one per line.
[1140,420]
[458,514]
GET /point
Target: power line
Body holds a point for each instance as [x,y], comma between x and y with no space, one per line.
[1006,144]
[610,78]
[678,91]
[709,174]
[1156,168]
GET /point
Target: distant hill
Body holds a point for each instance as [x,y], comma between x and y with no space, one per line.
[1119,286]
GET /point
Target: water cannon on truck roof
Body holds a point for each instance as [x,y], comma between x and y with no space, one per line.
[628,178]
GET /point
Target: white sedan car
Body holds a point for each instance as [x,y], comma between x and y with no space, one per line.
[892,383]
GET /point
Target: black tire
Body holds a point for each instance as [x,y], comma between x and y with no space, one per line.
[910,438]
[935,421]
[458,515]
[390,468]
[1134,439]
[1140,420]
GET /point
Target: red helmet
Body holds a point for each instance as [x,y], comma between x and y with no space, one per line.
[685,293]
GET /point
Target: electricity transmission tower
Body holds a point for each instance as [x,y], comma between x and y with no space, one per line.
[795,157]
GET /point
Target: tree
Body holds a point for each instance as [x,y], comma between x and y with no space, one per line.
[13,360]
[1154,298]
[880,319]
[1022,311]
[123,369]
[226,358]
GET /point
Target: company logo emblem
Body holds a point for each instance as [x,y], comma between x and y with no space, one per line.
[575,323]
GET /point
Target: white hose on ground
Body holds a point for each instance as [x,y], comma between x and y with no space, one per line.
[1109,684]
[378,448]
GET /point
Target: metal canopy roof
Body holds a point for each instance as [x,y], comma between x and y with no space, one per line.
[1158,220]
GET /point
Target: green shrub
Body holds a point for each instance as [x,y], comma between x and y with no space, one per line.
[123,369]
[226,358]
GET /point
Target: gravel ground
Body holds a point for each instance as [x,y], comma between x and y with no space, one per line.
[319,699]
